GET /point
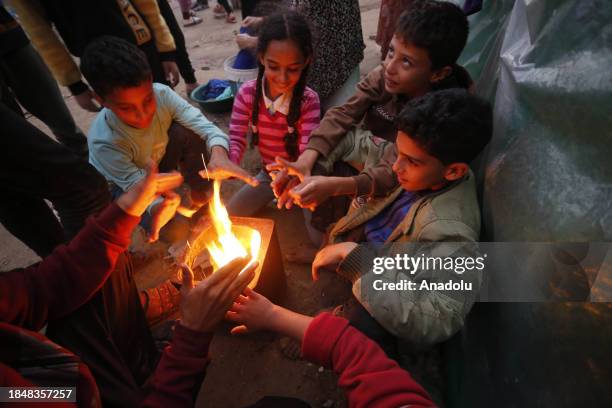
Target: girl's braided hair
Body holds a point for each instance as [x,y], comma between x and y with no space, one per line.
[286,25]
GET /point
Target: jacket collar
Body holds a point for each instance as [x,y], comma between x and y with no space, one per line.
[366,212]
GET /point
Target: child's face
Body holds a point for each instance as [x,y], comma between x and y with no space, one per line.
[417,170]
[407,69]
[135,106]
[284,63]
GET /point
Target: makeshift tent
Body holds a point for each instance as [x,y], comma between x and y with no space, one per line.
[546,177]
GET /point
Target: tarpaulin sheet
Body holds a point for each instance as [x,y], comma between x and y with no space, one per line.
[546,177]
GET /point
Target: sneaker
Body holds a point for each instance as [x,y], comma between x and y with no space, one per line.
[192,21]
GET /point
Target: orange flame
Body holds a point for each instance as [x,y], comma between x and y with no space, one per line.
[227,246]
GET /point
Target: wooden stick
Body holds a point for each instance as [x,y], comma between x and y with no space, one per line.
[205,168]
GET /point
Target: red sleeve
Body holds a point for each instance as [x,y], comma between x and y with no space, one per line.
[179,374]
[370,378]
[68,277]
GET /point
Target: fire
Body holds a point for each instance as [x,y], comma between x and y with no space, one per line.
[226,245]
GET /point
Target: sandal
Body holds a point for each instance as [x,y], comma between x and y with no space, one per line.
[218,11]
[230,18]
[160,303]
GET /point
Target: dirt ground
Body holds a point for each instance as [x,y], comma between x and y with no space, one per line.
[243,369]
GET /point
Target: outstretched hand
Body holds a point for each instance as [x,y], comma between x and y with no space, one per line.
[286,175]
[281,185]
[204,305]
[220,167]
[330,257]
[296,168]
[136,200]
[253,311]
[312,191]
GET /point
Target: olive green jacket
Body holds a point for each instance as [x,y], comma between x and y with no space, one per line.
[443,224]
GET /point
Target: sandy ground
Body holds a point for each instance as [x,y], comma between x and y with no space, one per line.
[244,369]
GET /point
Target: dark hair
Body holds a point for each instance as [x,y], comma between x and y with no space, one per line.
[288,25]
[452,125]
[439,27]
[109,63]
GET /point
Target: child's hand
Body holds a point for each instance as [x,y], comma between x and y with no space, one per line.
[136,200]
[285,199]
[245,41]
[162,213]
[312,191]
[204,305]
[299,168]
[251,22]
[253,311]
[220,167]
[280,178]
[331,256]
[281,185]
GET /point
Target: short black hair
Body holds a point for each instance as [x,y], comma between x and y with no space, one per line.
[451,125]
[439,27]
[109,63]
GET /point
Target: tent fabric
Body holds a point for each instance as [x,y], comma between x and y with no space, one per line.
[546,177]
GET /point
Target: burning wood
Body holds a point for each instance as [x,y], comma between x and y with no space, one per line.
[218,239]
[228,244]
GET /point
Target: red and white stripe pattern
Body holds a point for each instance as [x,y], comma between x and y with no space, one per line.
[272,128]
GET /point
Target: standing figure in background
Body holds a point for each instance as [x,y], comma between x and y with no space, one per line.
[339,47]
[189,17]
[182,57]
[25,80]
[33,169]
[338,41]
[247,7]
[78,23]
[224,9]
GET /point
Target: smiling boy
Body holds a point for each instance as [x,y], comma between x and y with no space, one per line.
[433,213]
[143,121]
[422,57]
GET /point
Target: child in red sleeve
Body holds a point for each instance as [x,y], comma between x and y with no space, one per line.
[369,377]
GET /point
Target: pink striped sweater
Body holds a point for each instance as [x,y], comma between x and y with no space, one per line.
[272,128]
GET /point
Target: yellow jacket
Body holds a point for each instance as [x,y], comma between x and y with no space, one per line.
[34,20]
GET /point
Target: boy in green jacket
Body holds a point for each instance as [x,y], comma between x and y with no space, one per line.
[434,213]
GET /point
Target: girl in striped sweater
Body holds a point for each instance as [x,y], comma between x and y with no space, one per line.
[278,107]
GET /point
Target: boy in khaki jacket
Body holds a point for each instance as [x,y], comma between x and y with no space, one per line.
[433,213]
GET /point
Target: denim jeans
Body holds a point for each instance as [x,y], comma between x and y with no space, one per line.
[250,200]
